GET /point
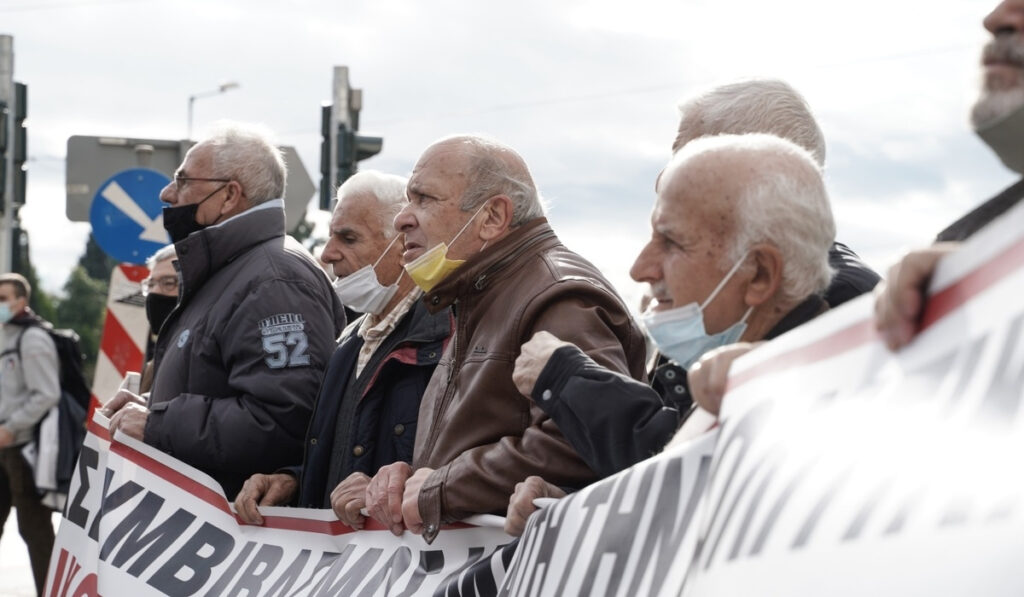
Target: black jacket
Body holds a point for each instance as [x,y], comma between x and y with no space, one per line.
[363,423]
[980,216]
[614,421]
[238,361]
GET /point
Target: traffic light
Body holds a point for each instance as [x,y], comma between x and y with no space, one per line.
[341,145]
[5,114]
[20,143]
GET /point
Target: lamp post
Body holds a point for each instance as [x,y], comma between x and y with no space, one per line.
[192,99]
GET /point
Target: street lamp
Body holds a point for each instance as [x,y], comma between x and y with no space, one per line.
[192,99]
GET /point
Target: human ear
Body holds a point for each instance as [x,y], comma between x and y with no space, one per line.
[767,277]
[497,218]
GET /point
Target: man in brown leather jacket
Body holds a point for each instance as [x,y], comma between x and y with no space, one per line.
[477,435]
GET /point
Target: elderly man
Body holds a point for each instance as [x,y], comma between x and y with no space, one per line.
[998,118]
[772,106]
[757,106]
[160,289]
[365,415]
[476,238]
[741,231]
[239,361]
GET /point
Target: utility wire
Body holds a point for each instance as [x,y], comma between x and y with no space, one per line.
[62,5]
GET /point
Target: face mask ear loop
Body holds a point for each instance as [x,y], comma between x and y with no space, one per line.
[468,222]
[725,280]
[386,249]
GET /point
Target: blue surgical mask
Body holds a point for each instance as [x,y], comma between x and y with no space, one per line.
[5,313]
[679,333]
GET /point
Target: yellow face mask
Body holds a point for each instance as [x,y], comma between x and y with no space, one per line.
[430,268]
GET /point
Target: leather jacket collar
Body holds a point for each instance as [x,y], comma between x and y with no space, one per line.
[481,269]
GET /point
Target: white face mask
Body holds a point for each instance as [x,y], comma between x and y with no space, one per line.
[362,292]
[680,334]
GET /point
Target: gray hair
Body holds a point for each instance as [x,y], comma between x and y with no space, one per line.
[783,203]
[388,189]
[752,106]
[163,254]
[247,154]
[496,169]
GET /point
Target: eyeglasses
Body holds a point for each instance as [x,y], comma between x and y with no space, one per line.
[167,285]
[180,181]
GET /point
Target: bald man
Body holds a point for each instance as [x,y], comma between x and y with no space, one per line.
[476,239]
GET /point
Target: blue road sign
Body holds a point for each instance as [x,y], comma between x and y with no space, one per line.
[127,215]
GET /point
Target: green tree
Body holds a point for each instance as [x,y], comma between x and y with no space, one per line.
[98,265]
[41,301]
[83,309]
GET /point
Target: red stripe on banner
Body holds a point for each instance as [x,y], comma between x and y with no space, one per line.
[119,347]
[938,306]
[845,339]
[135,273]
[973,284]
[215,499]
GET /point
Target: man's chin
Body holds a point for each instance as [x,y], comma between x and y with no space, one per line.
[995,105]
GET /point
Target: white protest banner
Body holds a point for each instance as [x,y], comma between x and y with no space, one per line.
[626,535]
[138,522]
[845,469]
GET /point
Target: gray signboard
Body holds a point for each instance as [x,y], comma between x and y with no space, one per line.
[93,160]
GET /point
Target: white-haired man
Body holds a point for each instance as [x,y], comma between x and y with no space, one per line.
[998,118]
[773,107]
[366,411]
[239,361]
[476,238]
[740,236]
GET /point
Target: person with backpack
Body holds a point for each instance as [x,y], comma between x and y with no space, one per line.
[29,388]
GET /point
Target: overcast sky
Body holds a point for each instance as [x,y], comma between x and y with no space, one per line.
[586,91]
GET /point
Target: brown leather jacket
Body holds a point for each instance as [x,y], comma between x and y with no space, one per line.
[480,434]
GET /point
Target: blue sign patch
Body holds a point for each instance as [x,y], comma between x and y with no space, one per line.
[127,215]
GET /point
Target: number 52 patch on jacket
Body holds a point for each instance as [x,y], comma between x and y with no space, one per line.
[284,340]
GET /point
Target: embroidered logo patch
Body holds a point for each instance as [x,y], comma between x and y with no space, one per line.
[284,340]
[183,338]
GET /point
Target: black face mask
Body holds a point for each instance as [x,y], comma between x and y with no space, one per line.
[181,221]
[158,307]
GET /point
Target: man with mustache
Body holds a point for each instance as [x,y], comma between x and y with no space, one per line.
[998,118]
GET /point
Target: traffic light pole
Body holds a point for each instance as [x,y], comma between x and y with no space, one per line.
[341,148]
[7,142]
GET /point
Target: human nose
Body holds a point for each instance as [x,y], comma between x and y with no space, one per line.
[405,221]
[1006,18]
[168,194]
[646,267]
[331,254]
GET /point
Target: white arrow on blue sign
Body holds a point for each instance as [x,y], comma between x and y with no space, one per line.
[127,215]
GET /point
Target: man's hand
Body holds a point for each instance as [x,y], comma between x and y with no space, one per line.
[411,500]
[264,490]
[130,420]
[532,359]
[899,300]
[384,495]
[6,437]
[520,505]
[120,399]
[707,377]
[349,497]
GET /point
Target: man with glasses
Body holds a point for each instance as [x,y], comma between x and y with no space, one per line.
[160,291]
[238,362]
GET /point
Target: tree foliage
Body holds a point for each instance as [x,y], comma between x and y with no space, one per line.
[83,309]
